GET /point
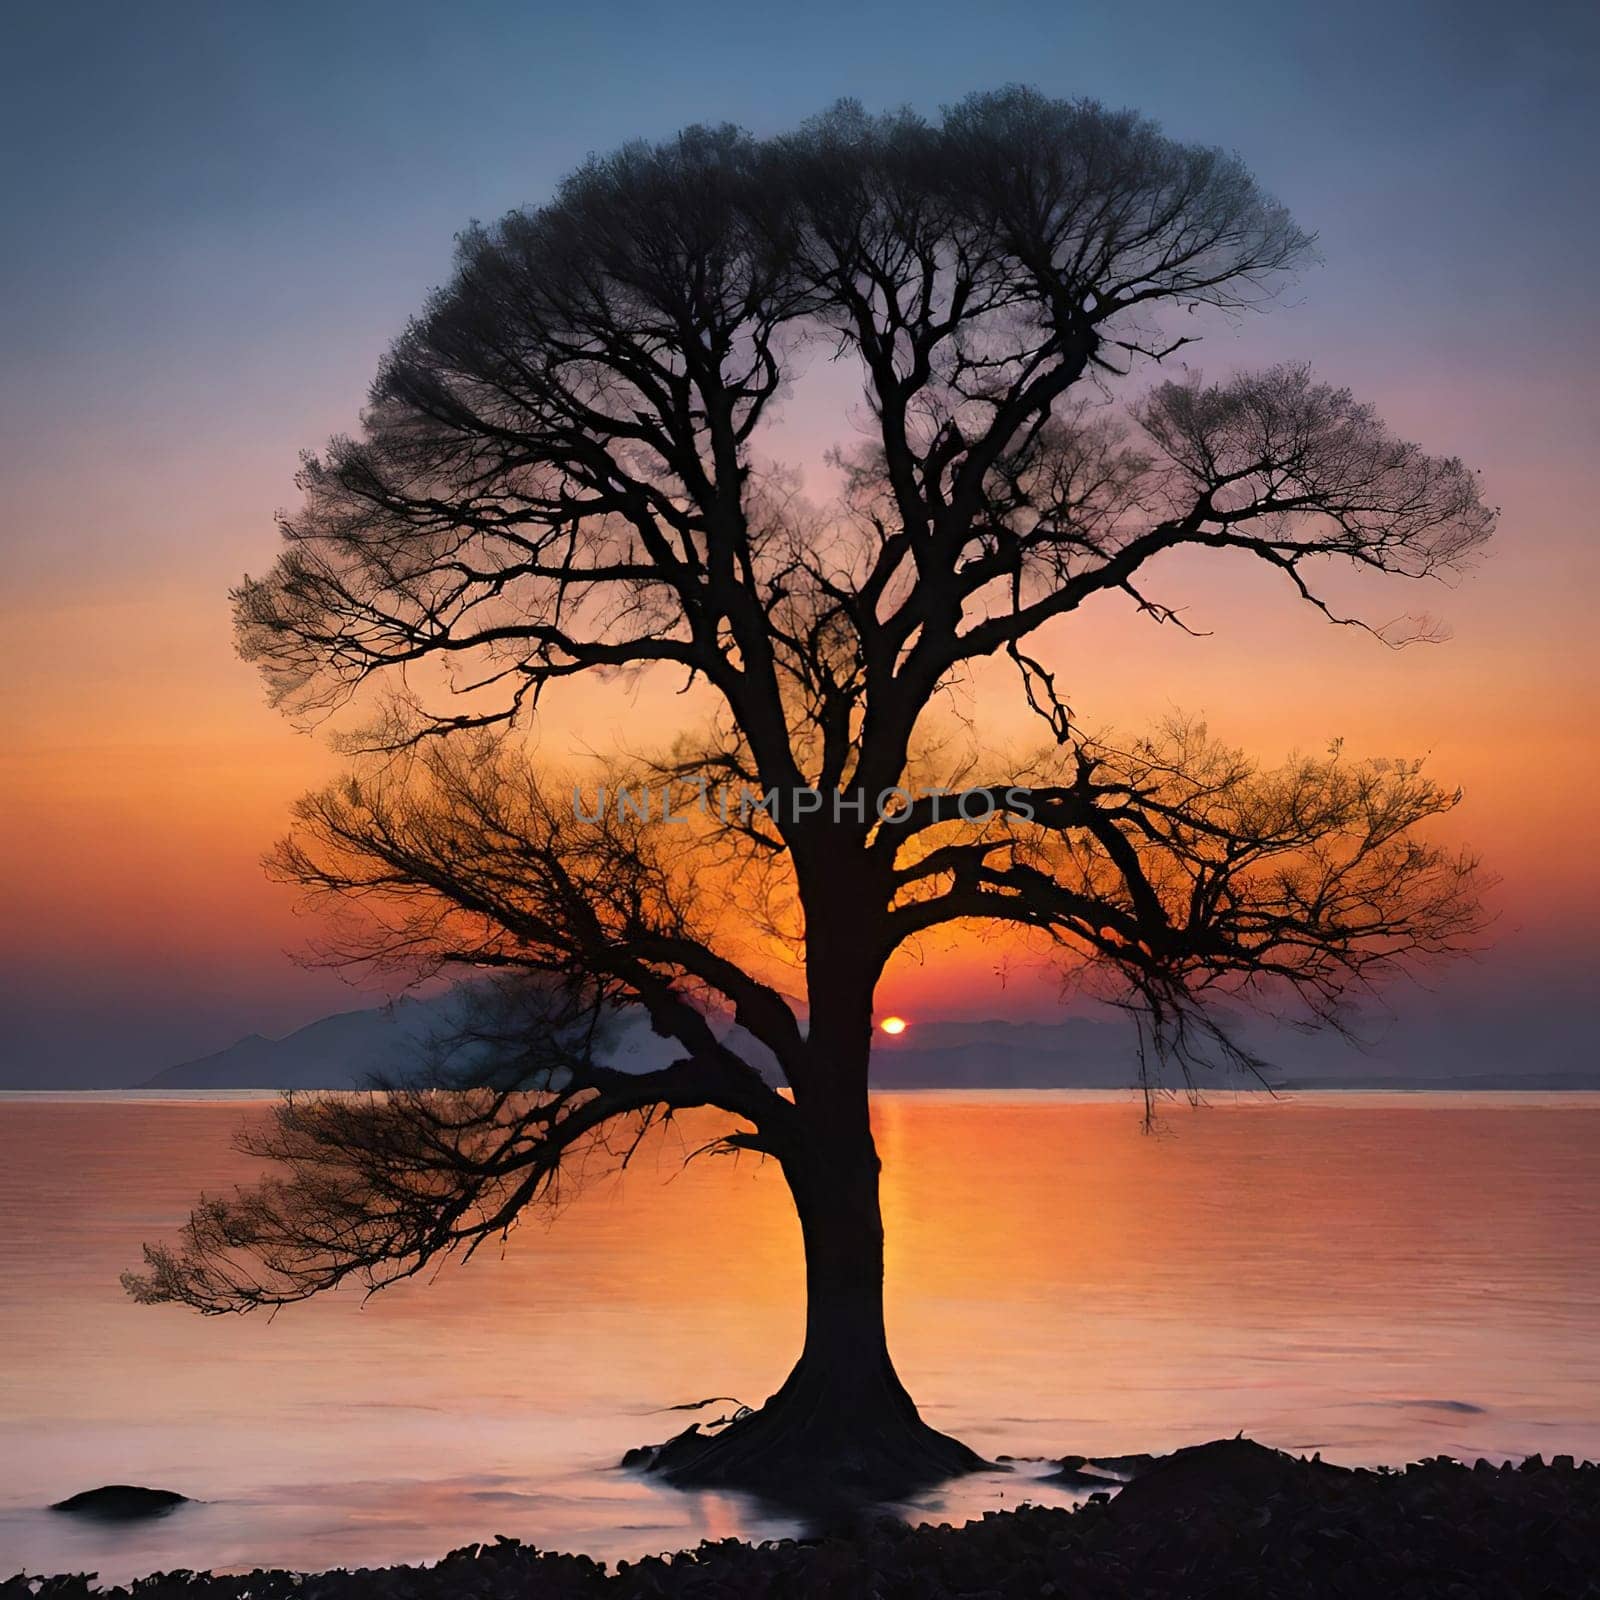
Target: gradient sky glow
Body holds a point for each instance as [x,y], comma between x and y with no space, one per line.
[218,217]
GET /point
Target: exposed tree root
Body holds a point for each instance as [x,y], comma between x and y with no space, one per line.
[817,1440]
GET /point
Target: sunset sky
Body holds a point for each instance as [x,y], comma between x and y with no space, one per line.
[218,217]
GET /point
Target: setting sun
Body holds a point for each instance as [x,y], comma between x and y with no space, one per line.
[893,1024]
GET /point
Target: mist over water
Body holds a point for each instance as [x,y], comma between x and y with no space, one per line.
[1377,1277]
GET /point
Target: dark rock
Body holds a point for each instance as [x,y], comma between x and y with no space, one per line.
[1129,1466]
[121,1502]
[1223,1521]
[1074,1473]
[1235,1470]
[1097,1472]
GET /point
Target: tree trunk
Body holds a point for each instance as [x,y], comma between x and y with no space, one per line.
[843,1424]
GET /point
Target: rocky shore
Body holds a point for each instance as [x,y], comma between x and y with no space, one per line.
[1230,1520]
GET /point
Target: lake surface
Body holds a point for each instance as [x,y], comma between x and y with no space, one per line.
[1375,1277]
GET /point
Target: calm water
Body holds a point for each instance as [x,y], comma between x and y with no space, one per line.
[1376,1277]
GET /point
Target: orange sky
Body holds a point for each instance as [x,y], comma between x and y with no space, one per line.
[223,233]
[144,775]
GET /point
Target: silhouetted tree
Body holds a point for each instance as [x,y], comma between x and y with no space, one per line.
[557,476]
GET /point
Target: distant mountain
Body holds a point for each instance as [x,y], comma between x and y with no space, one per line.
[1075,1053]
[1461,1052]
[396,1041]
[348,1049]
[343,1051]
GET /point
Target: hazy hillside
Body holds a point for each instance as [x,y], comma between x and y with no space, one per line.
[338,1052]
[346,1050]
